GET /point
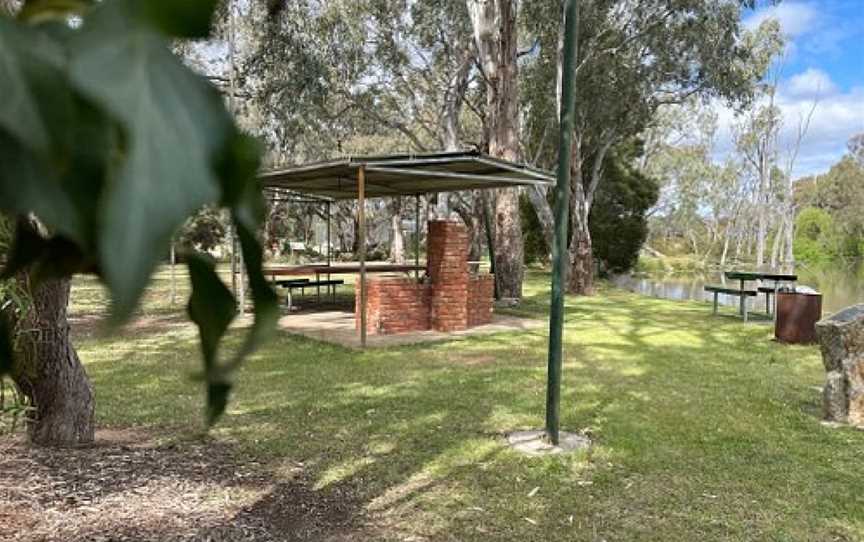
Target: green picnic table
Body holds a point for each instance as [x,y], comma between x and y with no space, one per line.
[745,276]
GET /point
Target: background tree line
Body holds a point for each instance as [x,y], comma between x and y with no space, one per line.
[320,79]
[314,80]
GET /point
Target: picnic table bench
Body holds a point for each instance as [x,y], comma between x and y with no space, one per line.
[302,284]
[743,293]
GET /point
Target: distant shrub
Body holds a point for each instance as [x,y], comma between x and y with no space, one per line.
[815,236]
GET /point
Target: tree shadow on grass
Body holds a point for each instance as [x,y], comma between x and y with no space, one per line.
[411,438]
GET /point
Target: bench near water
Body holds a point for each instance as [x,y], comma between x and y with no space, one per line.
[742,294]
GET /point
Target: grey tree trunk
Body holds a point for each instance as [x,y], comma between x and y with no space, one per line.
[789,236]
[777,244]
[495,34]
[537,197]
[49,372]
[397,239]
[725,253]
[762,220]
[470,210]
[580,279]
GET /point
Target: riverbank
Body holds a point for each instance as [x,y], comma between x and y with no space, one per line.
[683,278]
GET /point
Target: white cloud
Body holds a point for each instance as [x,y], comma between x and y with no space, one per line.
[837,117]
[812,83]
[835,120]
[795,18]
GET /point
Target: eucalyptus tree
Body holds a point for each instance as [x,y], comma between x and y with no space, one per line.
[109,143]
[494,24]
[633,58]
[856,148]
[756,141]
[334,78]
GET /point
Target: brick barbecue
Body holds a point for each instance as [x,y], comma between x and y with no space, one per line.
[449,299]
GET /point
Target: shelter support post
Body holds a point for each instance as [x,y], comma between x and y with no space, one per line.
[173,281]
[562,206]
[417,236]
[233,261]
[328,233]
[361,219]
[490,236]
[241,282]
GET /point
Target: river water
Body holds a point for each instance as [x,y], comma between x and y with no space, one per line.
[839,285]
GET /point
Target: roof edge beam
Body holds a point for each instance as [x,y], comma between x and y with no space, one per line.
[526,170]
[452,175]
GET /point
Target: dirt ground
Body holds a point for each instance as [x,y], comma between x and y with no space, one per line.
[127,486]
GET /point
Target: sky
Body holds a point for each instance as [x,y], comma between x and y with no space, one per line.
[823,63]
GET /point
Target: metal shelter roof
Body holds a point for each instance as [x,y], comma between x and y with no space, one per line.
[404,175]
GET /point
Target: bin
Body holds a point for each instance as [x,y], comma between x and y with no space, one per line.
[797,314]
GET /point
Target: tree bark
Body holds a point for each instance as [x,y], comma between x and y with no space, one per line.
[789,238]
[470,210]
[537,197]
[454,98]
[50,373]
[397,239]
[580,278]
[495,33]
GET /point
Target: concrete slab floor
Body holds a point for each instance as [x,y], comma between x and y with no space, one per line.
[337,327]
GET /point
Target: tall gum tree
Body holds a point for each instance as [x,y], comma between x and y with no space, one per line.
[494,25]
[634,57]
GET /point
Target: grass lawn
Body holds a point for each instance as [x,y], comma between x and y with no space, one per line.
[704,428]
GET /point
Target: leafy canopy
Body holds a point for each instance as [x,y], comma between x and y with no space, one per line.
[112,143]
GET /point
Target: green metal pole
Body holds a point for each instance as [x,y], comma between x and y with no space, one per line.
[562,208]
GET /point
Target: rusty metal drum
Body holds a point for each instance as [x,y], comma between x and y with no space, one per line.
[797,314]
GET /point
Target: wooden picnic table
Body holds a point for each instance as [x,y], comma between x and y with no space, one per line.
[275,271]
[342,269]
[756,275]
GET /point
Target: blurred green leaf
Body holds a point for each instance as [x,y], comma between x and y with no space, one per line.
[175,124]
[237,166]
[211,306]
[26,247]
[182,19]
[112,142]
[266,302]
[50,258]
[42,10]
[217,400]
[35,114]
[30,65]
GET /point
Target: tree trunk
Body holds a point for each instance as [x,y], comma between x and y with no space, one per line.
[537,197]
[494,24]
[788,255]
[777,246]
[397,240]
[580,279]
[509,246]
[355,240]
[761,232]
[50,374]
[725,252]
[477,231]
[470,210]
